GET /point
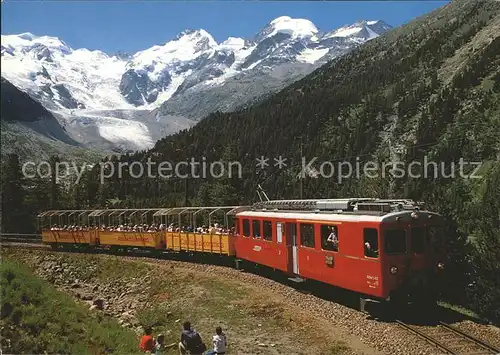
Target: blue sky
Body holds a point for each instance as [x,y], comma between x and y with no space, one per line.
[131,26]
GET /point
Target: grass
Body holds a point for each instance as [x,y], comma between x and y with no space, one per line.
[466,312]
[36,318]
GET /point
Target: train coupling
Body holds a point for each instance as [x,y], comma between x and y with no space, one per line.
[368,305]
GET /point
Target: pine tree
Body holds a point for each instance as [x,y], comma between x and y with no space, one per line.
[12,196]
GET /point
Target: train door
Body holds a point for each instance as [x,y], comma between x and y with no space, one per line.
[293,251]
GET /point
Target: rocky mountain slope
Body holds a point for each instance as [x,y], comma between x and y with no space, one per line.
[31,131]
[130,101]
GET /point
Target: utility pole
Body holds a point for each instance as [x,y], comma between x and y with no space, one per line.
[186,191]
[302,177]
[186,184]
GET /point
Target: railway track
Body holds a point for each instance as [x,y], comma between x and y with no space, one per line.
[21,238]
[31,241]
[451,340]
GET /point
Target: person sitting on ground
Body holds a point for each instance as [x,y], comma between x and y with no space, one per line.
[160,344]
[147,344]
[191,342]
[220,343]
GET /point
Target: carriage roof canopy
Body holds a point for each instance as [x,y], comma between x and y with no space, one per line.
[156,212]
[360,204]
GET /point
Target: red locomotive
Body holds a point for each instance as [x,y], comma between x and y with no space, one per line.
[382,249]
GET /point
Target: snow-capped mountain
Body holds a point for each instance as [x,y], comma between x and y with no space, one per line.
[81,83]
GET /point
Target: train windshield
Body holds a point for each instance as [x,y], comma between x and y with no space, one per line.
[417,240]
[395,241]
[435,238]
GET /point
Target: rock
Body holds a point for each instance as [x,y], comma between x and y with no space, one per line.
[75,285]
[273,345]
[85,296]
[99,303]
[126,315]
[95,288]
[93,307]
[262,345]
[177,320]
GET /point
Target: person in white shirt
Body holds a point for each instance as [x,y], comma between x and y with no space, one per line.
[219,342]
[333,240]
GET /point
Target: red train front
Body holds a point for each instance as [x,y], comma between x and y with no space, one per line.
[383,249]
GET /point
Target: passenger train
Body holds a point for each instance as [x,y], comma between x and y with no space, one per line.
[384,250]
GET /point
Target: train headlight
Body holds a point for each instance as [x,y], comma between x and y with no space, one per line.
[440,266]
[393,270]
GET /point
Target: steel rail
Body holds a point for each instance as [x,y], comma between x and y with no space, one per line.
[454,330]
[477,341]
[430,339]
[21,238]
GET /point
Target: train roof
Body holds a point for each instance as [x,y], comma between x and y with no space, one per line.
[341,217]
[341,210]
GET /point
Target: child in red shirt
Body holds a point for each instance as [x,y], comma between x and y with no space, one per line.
[147,343]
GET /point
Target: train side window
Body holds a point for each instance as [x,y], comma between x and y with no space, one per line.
[268,230]
[329,238]
[307,235]
[417,240]
[395,241]
[256,229]
[370,240]
[246,228]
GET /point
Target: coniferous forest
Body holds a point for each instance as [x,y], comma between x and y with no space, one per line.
[429,90]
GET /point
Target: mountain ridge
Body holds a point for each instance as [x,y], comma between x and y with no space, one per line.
[167,87]
[153,75]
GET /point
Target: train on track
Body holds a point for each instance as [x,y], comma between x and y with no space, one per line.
[384,250]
